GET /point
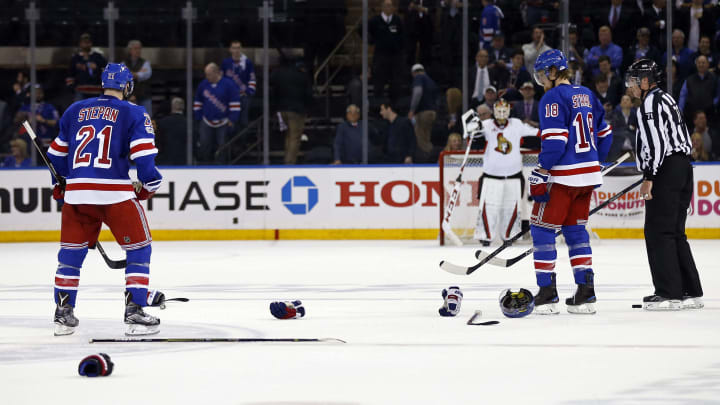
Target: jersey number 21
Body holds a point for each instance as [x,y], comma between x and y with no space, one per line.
[84,136]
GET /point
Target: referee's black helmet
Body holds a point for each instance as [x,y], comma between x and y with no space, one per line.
[643,68]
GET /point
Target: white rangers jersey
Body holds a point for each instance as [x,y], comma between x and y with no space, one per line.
[502,153]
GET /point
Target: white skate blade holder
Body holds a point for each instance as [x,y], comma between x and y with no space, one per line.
[582,309]
[140,330]
[668,305]
[547,309]
[63,330]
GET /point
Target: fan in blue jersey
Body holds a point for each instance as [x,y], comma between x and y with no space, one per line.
[98,138]
[240,69]
[574,140]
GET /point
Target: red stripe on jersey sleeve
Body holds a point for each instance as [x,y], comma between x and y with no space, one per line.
[62,149]
[563,134]
[141,147]
[137,280]
[67,282]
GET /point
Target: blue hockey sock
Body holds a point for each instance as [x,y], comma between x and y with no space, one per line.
[67,275]
[544,254]
[137,274]
[578,242]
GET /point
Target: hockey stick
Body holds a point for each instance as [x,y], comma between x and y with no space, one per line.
[509,262]
[113,264]
[458,182]
[162,306]
[215,340]
[464,270]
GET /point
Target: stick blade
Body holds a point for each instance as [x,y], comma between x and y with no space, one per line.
[454,268]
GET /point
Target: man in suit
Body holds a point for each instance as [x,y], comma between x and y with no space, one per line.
[527,109]
[695,21]
[616,87]
[620,18]
[655,20]
[499,54]
[482,77]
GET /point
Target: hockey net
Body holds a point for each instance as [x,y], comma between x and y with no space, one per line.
[465,212]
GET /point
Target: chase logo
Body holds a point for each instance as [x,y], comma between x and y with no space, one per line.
[305,195]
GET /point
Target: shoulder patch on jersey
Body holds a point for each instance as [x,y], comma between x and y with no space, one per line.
[148,124]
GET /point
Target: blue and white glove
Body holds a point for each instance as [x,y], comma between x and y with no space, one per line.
[539,185]
[287,309]
[452,297]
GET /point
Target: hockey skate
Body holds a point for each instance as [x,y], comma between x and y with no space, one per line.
[137,321]
[583,302]
[689,302]
[657,303]
[546,300]
[65,321]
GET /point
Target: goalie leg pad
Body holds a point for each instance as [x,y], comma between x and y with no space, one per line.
[67,275]
[137,274]
[578,242]
[544,254]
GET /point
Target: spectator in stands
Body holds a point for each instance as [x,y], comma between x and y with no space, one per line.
[518,76]
[623,122]
[531,50]
[491,96]
[423,110]
[498,53]
[18,155]
[626,117]
[601,88]
[419,24]
[576,50]
[387,34]
[86,66]
[142,71]
[453,98]
[701,91]
[527,109]
[348,138]
[454,142]
[539,11]
[450,32]
[241,70]
[172,134]
[400,136]
[217,107]
[655,20]
[292,95]
[21,92]
[695,20]
[576,73]
[681,54]
[699,151]
[481,77]
[606,47]
[46,116]
[676,82]
[616,86]
[643,48]
[705,50]
[484,112]
[710,137]
[621,20]
[489,23]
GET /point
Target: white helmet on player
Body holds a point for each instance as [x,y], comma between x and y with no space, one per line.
[501,110]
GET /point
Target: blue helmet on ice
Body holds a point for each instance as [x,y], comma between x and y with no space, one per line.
[117,76]
[516,304]
[546,60]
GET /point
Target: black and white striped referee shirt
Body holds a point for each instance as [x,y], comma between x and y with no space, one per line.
[661,132]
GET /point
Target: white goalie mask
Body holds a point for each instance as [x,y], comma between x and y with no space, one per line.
[501,110]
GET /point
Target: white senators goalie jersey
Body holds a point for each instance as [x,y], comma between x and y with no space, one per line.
[502,153]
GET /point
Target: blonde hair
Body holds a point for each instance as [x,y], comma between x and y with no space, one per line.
[699,153]
[22,145]
[452,136]
[454,100]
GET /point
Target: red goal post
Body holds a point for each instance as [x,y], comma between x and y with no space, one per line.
[464,215]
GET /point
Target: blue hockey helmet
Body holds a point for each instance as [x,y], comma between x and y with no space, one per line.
[516,304]
[546,60]
[117,76]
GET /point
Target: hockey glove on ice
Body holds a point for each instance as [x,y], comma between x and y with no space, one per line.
[96,365]
[539,186]
[452,297]
[287,309]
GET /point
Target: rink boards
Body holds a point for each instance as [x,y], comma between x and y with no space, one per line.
[318,202]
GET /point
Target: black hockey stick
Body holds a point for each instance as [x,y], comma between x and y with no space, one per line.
[113,264]
[509,262]
[162,305]
[464,270]
[216,340]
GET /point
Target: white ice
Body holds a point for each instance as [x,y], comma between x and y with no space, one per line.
[382,298]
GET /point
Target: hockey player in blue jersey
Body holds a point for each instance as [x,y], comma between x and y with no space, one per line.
[98,137]
[574,140]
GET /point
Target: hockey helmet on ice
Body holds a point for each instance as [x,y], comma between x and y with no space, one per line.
[516,304]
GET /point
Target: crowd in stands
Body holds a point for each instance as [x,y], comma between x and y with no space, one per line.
[415,77]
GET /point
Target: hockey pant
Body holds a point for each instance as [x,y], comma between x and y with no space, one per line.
[80,228]
[499,213]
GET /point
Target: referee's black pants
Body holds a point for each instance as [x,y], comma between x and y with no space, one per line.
[672,266]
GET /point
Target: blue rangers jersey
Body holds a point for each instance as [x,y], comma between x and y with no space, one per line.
[490,24]
[575,137]
[98,138]
[215,103]
[242,72]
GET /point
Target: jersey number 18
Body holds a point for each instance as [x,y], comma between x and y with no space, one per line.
[584,132]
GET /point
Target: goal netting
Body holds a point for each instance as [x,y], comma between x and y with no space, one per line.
[464,214]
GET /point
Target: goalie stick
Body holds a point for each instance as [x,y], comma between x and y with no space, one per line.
[113,264]
[216,340]
[464,270]
[466,119]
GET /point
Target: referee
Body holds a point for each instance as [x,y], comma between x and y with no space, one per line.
[663,149]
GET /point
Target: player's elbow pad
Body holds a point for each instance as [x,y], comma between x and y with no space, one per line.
[552,151]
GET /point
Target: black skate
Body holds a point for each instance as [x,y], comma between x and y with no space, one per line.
[65,321]
[546,300]
[138,322]
[583,302]
[657,303]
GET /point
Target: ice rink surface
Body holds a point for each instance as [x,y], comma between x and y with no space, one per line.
[382,297]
